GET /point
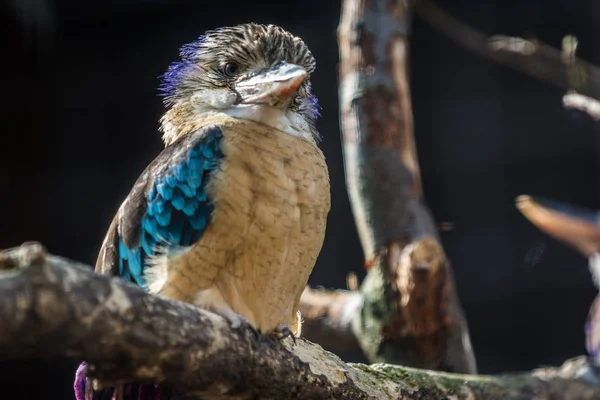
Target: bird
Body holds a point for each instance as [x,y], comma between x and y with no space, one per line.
[231,215]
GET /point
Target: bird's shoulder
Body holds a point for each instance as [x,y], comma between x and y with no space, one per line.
[167,207]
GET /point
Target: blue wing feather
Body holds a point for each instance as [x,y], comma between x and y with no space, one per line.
[176,206]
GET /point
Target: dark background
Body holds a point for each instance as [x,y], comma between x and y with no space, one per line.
[80,117]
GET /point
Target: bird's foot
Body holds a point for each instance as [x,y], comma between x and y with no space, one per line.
[283,331]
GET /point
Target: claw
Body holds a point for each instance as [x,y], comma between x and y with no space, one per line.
[255,331]
[236,320]
[238,324]
[284,332]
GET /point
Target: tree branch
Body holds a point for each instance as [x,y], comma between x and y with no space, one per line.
[578,228]
[53,307]
[573,225]
[531,57]
[582,103]
[406,311]
[327,317]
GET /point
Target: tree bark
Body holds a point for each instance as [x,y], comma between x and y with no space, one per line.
[53,307]
[406,311]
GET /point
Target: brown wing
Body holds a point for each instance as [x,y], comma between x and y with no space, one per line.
[107,262]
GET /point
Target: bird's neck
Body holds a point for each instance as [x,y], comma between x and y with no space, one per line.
[185,117]
[178,121]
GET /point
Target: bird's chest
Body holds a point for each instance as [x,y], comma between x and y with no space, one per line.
[271,198]
[269,191]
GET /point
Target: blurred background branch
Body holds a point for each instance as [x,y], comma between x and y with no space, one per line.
[529,56]
[406,311]
[578,228]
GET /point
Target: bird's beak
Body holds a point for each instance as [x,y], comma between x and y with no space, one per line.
[274,86]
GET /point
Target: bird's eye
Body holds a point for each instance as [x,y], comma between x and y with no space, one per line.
[231,70]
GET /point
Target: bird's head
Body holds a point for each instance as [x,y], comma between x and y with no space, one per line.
[250,71]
